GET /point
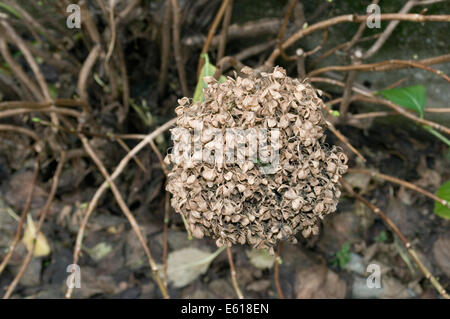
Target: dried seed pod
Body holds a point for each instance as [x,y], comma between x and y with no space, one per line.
[229,194]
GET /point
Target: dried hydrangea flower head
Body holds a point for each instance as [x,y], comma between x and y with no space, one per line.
[239,202]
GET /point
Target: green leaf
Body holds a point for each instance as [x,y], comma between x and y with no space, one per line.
[411,97]
[444,193]
[207,70]
[335,113]
[11,10]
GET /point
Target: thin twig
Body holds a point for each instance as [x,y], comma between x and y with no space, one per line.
[351,18]
[388,31]
[31,62]
[358,33]
[225,63]
[127,149]
[351,76]
[400,182]
[42,214]
[123,206]
[251,29]
[280,36]
[276,274]
[166,235]
[24,131]
[375,67]
[402,111]
[52,109]
[211,32]
[16,239]
[112,26]
[40,105]
[104,186]
[89,23]
[165,49]
[18,71]
[125,83]
[233,274]
[177,47]
[338,47]
[122,16]
[344,140]
[224,32]
[85,71]
[160,158]
[402,238]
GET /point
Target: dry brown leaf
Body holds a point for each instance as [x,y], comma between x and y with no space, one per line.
[441,253]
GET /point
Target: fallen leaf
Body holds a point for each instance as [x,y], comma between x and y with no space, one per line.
[441,253]
[187,264]
[314,283]
[260,258]
[42,247]
[99,251]
[392,288]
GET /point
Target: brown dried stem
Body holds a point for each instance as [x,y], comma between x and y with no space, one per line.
[21,130]
[344,140]
[52,109]
[18,71]
[123,206]
[388,31]
[340,46]
[224,32]
[177,47]
[112,26]
[401,182]
[42,214]
[40,105]
[85,71]
[89,23]
[95,199]
[31,62]
[211,32]
[276,274]
[402,238]
[351,18]
[166,235]
[166,210]
[367,96]
[387,65]
[16,239]
[249,29]
[233,274]
[356,38]
[225,63]
[165,48]
[125,83]
[400,110]
[351,76]
[127,149]
[283,30]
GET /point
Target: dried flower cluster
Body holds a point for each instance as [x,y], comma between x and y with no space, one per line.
[237,202]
